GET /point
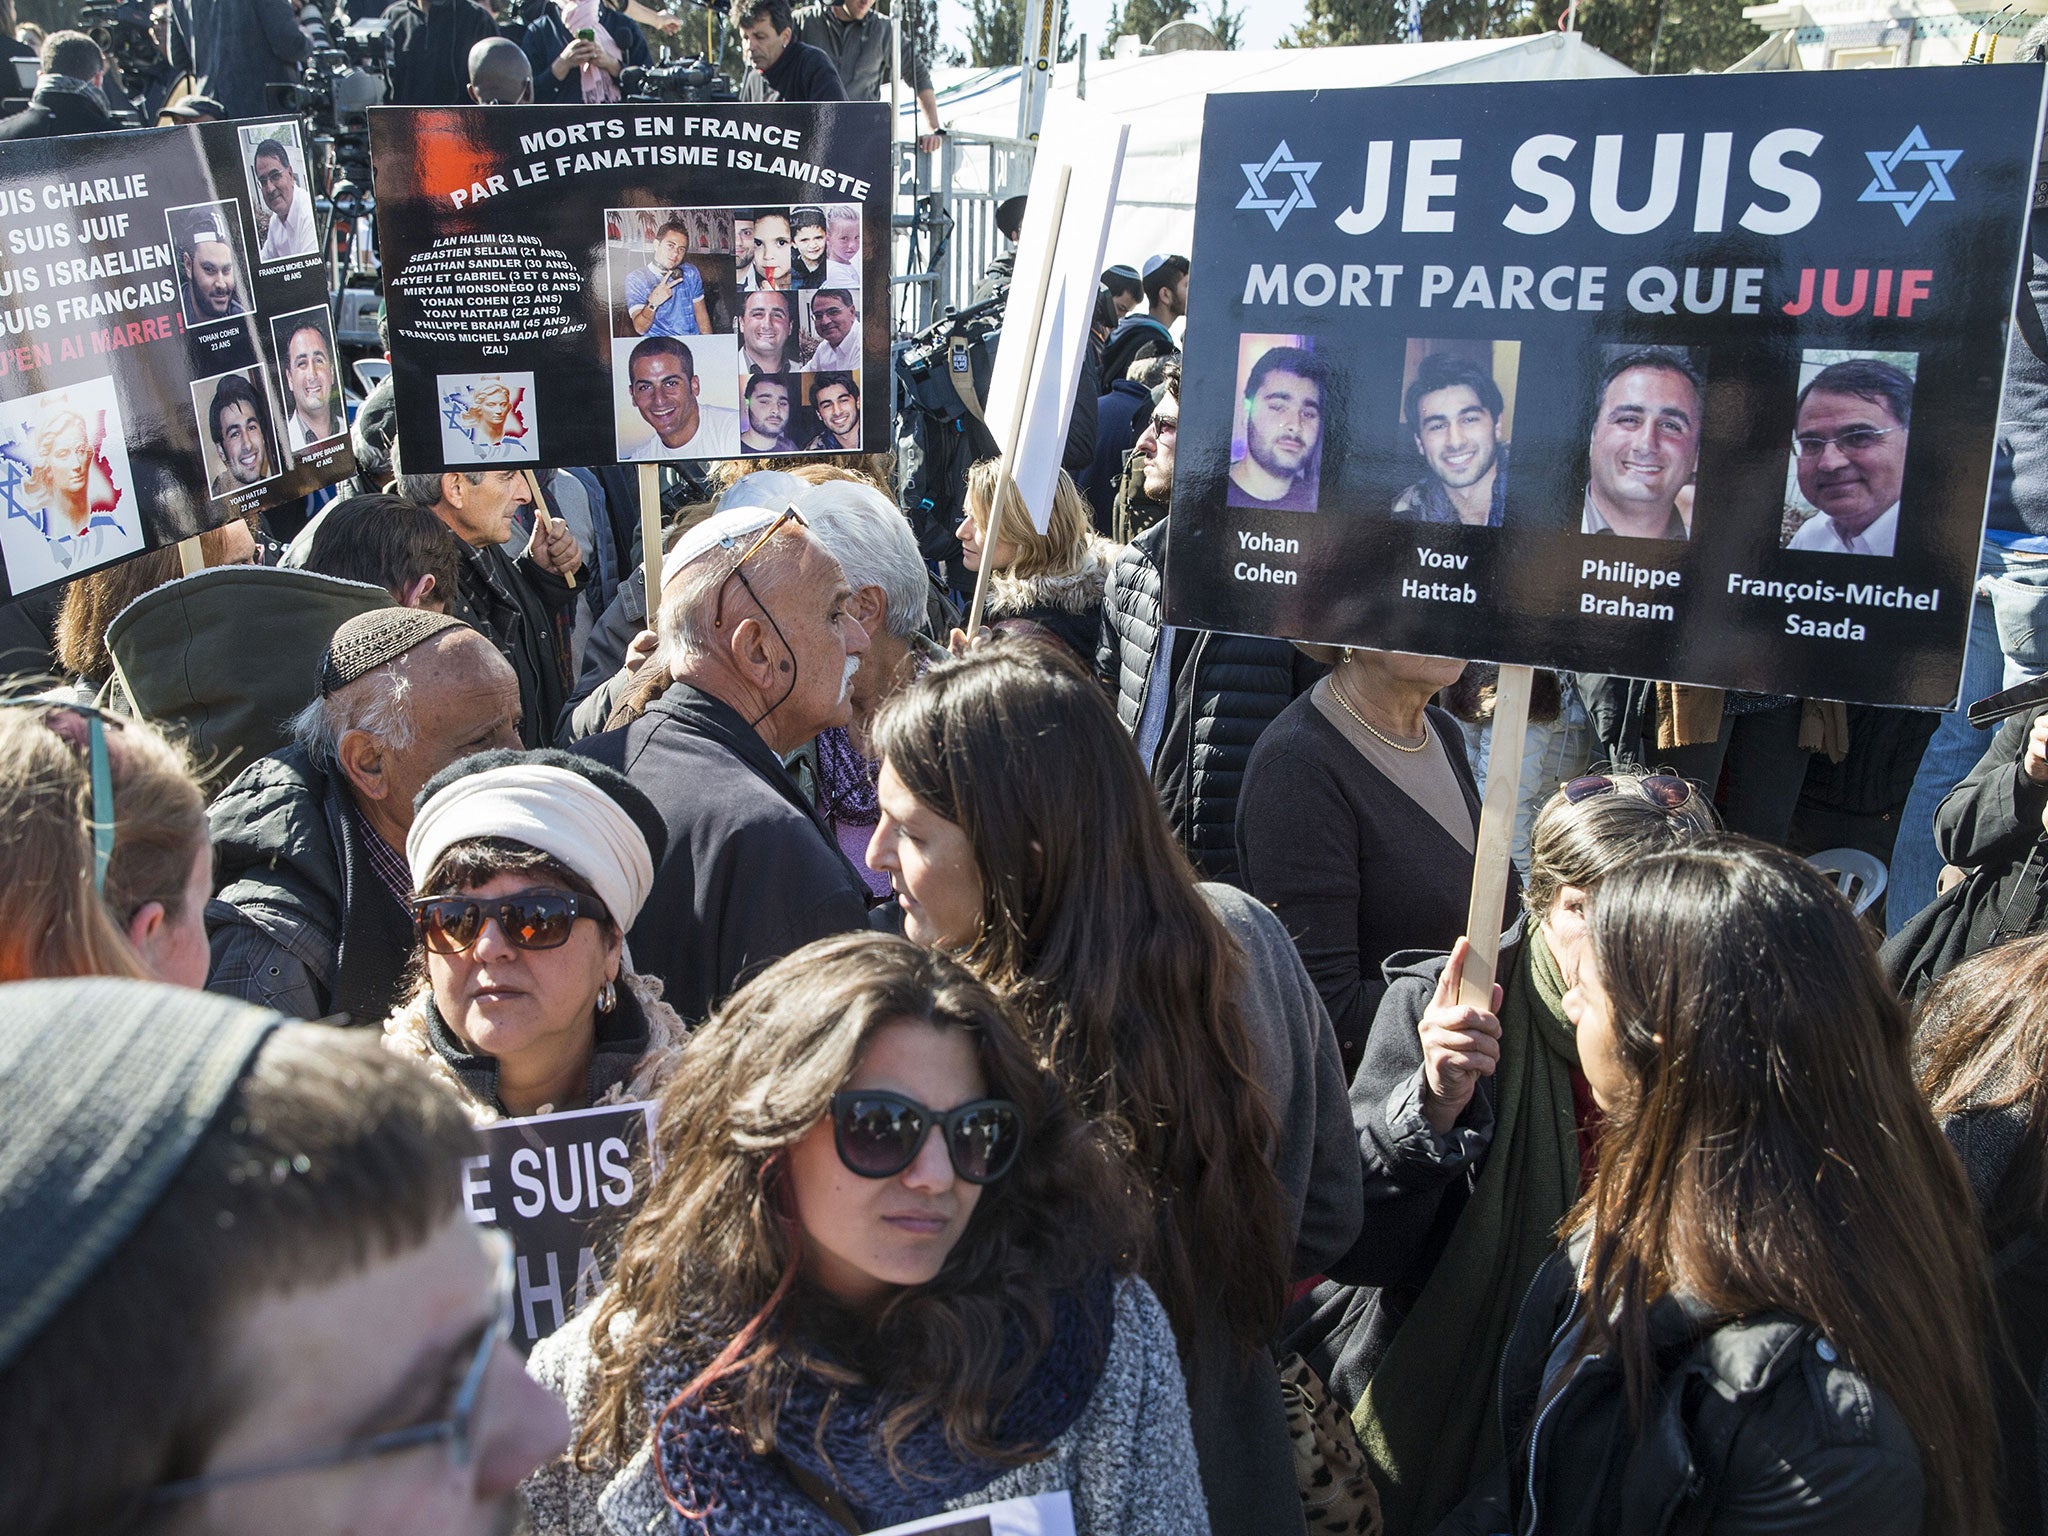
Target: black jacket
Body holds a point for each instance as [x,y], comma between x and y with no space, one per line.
[429,50]
[1756,1426]
[300,922]
[751,873]
[515,602]
[1136,336]
[803,73]
[1989,826]
[53,114]
[1235,686]
[546,37]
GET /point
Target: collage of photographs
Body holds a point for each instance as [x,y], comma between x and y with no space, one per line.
[67,498]
[1643,416]
[735,331]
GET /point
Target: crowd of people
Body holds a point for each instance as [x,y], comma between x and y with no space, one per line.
[1063,1068]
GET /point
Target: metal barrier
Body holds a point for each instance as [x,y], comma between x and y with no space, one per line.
[945,221]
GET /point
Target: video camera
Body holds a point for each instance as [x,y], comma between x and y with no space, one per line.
[691,79]
[343,77]
[123,29]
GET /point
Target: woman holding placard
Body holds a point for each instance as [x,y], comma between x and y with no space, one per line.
[1021,833]
[876,1278]
[1477,1126]
[1380,774]
[1046,584]
[1769,1310]
[529,867]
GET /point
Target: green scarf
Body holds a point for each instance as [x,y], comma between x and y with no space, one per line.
[1430,1418]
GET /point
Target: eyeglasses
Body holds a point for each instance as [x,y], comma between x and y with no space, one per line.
[1812,445]
[878,1135]
[1666,791]
[535,919]
[98,764]
[789,515]
[457,1430]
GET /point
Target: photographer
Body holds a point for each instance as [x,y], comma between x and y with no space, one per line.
[68,98]
[780,66]
[577,49]
[430,47]
[238,47]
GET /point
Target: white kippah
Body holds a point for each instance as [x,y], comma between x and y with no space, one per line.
[732,529]
[552,810]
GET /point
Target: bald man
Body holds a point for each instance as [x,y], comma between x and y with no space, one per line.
[499,74]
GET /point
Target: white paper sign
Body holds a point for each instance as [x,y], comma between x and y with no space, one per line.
[1045,1514]
[1088,147]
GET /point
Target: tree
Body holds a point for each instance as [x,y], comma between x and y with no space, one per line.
[995,33]
[1226,23]
[1695,34]
[920,19]
[1144,17]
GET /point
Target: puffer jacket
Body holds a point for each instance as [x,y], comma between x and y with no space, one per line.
[300,922]
[1240,685]
[636,1049]
[1755,1426]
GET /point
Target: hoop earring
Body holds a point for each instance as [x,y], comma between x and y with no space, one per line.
[607,997]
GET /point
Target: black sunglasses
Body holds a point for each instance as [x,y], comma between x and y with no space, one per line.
[878,1134]
[536,919]
[1666,791]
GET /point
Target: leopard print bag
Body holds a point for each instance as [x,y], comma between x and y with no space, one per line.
[1337,1494]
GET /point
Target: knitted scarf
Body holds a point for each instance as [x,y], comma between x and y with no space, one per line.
[1430,1418]
[712,1468]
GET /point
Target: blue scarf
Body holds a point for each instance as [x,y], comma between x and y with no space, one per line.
[711,1466]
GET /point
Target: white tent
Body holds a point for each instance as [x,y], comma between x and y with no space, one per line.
[1161,97]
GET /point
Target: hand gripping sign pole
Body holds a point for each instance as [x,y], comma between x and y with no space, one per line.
[541,517]
[650,536]
[1490,858]
[1044,342]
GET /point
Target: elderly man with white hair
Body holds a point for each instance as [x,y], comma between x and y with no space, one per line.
[310,914]
[758,633]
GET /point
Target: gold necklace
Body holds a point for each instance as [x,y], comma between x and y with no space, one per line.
[1382,735]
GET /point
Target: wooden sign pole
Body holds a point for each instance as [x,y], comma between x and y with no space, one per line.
[1014,428]
[190,556]
[540,515]
[650,536]
[1492,859]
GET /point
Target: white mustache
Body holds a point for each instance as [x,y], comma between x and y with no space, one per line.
[846,682]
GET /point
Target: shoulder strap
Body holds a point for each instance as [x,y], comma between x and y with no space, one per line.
[820,1493]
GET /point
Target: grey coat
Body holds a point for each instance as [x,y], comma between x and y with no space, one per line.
[1127,1462]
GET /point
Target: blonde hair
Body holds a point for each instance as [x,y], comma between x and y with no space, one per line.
[1061,549]
[52,923]
[1583,843]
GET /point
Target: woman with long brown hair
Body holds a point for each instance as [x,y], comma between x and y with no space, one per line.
[875,1278]
[1021,834]
[1768,1313]
[1984,1039]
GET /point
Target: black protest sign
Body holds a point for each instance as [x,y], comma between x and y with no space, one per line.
[589,285]
[1685,378]
[156,287]
[560,1186]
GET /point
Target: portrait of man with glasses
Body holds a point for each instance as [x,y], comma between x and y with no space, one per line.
[1849,456]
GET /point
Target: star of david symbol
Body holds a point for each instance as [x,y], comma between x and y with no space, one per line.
[1280,163]
[1912,150]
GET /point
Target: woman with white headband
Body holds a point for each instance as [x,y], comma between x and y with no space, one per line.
[530,866]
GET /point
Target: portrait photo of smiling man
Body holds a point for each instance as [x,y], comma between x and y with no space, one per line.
[1275,462]
[1848,455]
[1457,418]
[1644,446]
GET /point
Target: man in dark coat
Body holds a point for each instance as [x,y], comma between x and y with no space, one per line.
[515,602]
[311,882]
[430,45]
[67,98]
[239,47]
[781,68]
[1196,701]
[753,619]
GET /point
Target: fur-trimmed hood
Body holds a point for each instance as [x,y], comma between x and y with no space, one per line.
[1078,591]
[411,1033]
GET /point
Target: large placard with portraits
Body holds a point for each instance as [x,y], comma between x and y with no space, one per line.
[167,358]
[1688,378]
[638,282]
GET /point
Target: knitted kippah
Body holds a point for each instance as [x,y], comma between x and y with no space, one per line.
[106,1086]
[369,640]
